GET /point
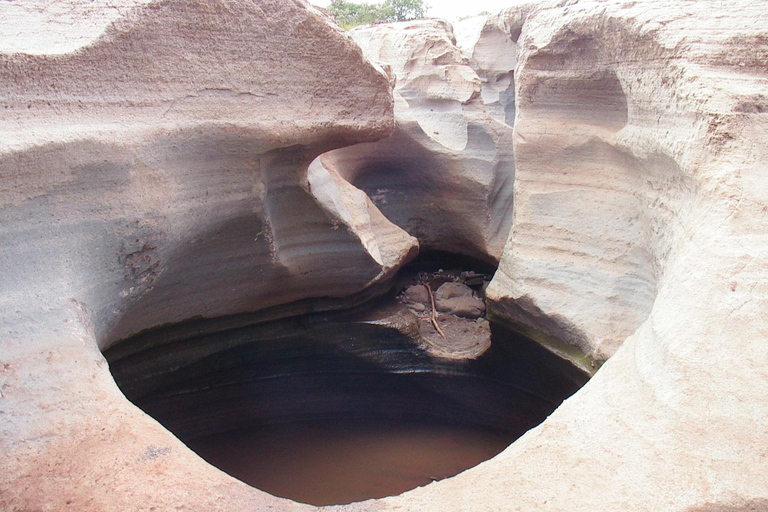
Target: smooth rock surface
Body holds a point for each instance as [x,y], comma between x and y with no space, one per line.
[490,44]
[608,149]
[370,362]
[153,170]
[640,231]
[445,175]
[640,217]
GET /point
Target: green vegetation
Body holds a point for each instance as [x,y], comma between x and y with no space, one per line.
[350,14]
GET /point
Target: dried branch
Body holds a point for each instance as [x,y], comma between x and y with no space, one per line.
[434,311]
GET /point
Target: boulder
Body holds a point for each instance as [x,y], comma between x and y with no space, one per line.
[458,299]
[416,294]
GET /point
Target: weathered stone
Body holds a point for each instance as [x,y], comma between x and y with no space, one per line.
[458,299]
[603,195]
[446,174]
[154,169]
[640,231]
[490,43]
[640,228]
[416,293]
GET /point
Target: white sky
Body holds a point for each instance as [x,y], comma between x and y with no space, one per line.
[450,10]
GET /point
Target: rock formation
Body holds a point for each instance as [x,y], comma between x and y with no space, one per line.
[445,175]
[156,172]
[156,163]
[459,299]
[612,156]
[640,231]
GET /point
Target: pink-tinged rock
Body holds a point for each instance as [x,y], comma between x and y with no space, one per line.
[154,167]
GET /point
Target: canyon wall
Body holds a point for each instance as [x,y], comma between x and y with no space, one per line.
[640,232]
[609,148]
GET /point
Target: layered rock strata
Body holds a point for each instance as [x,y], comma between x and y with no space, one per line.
[158,171]
[445,175]
[640,231]
[640,228]
[371,362]
[609,152]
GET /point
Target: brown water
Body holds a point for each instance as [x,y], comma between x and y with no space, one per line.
[334,463]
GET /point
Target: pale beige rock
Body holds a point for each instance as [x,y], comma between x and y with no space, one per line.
[641,204]
[446,173]
[153,169]
[490,43]
[603,184]
[641,201]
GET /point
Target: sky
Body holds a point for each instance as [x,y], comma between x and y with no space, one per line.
[451,10]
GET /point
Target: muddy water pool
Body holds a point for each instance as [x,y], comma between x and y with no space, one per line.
[339,462]
[329,408]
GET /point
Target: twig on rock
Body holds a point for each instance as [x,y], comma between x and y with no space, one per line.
[434,311]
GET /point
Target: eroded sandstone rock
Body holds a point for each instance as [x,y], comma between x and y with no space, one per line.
[445,175]
[640,218]
[640,231]
[152,171]
[603,187]
[490,43]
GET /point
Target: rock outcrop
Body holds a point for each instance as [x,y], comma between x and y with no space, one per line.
[640,230]
[446,174]
[490,44]
[610,152]
[158,168]
[156,171]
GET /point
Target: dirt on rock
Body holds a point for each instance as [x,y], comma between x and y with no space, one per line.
[450,306]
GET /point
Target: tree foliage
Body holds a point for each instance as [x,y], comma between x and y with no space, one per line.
[350,14]
[404,10]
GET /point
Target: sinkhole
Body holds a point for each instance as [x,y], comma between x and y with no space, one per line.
[334,407]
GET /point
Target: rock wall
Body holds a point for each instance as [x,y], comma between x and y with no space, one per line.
[175,160]
[640,230]
[370,362]
[605,183]
[446,173]
[490,44]
[157,170]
